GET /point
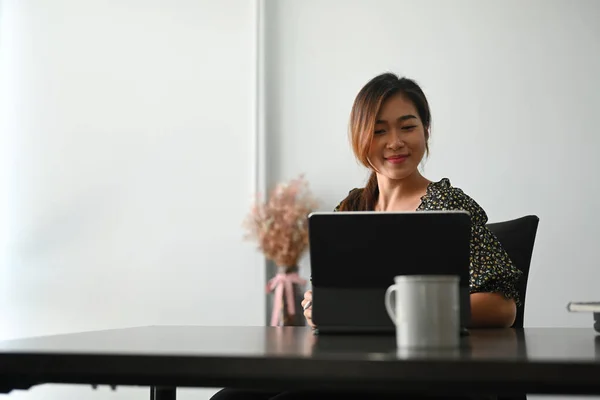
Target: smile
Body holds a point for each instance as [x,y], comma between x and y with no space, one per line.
[397,159]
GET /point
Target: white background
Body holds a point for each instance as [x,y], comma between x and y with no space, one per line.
[130,131]
[127,126]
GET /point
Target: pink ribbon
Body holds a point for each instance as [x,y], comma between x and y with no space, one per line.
[283,285]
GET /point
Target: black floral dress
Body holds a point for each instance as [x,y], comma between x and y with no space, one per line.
[491,270]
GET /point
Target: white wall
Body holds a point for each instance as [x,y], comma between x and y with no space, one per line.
[120,119]
[514,92]
[129,130]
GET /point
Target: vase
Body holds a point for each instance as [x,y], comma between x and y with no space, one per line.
[287,288]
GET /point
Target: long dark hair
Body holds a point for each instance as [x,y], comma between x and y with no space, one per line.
[362,125]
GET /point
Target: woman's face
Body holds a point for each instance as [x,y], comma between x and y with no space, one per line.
[398,144]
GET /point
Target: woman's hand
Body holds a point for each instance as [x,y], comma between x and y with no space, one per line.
[308,310]
[492,310]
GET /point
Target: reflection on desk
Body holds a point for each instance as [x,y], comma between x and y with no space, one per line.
[483,344]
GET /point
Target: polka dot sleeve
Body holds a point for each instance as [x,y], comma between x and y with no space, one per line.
[491,270]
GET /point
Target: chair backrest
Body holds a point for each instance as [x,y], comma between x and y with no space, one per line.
[517,236]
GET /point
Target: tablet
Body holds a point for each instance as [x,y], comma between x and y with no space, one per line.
[354,257]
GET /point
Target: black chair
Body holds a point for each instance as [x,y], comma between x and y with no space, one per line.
[517,236]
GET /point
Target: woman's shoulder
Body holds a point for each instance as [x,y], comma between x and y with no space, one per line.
[442,195]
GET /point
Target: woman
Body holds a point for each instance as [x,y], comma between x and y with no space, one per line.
[390,128]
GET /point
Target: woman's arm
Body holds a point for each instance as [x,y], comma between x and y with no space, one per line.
[492,310]
[493,277]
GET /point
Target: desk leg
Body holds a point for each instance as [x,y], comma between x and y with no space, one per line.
[163,393]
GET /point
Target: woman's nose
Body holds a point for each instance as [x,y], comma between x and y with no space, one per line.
[396,141]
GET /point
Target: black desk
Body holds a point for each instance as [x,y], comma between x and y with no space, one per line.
[559,361]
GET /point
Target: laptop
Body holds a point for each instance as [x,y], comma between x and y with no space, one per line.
[354,257]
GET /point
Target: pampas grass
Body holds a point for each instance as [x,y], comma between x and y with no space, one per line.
[279,225]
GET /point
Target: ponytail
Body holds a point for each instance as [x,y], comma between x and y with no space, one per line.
[369,194]
[362,199]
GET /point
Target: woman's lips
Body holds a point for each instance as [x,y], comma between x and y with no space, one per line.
[397,159]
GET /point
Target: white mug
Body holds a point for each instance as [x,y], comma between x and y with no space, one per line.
[425,310]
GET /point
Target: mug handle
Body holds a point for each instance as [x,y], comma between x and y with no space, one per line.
[388,304]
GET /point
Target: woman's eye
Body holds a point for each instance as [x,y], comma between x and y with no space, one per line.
[408,128]
[379,131]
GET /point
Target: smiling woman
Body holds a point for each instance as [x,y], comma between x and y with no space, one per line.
[390,129]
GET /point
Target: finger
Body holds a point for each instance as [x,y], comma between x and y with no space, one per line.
[308,314]
[307,305]
[307,299]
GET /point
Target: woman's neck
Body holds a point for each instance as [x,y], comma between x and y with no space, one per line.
[401,194]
